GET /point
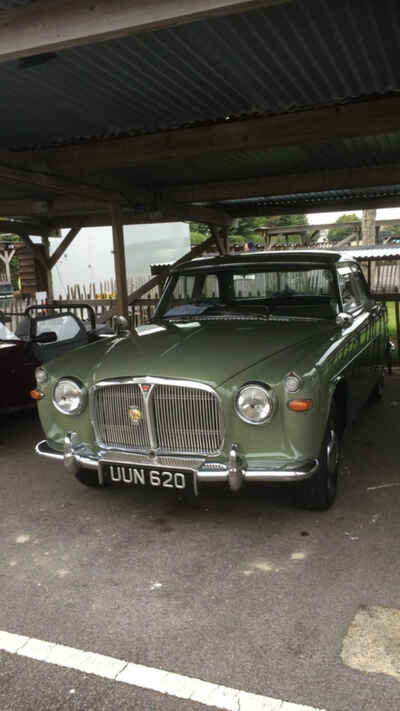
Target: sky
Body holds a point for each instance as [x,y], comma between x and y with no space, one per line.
[384,213]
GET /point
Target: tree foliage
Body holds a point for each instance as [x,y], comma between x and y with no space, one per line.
[245,228]
[336,234]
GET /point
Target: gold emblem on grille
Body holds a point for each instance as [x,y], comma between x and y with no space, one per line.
[134,415]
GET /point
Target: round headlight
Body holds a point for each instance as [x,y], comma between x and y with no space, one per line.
[255,403]
[41,375]
[69,396]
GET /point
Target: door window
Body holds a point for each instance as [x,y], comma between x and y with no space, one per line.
[348,288]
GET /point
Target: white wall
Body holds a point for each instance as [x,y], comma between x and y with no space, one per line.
[90,259]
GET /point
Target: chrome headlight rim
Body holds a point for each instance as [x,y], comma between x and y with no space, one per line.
[271,395]
[83,396]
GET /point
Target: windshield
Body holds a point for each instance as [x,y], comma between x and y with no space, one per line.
[268,293]
[6,334]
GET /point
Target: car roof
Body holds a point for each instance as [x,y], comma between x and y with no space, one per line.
[323,257]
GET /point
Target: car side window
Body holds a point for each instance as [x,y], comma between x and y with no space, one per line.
[183,289]
[348,289]
[361,285]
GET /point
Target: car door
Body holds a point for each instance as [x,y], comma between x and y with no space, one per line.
[356,337]
[17,367]
[374,336]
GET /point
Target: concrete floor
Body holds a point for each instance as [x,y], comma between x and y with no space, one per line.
[242,590]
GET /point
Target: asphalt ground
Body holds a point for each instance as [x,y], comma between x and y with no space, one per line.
[243,590]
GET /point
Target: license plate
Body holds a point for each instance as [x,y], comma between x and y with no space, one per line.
[155,477]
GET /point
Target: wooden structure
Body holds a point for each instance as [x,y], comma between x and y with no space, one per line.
[204,110]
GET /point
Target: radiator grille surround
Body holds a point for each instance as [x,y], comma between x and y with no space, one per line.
[176,416]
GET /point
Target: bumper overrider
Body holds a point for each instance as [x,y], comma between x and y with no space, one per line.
[233,470]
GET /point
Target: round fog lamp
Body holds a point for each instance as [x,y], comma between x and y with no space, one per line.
[69,396]
[41,375]
[293,383]
[255,404]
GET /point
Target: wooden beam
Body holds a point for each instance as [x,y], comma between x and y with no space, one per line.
[371,176]
[56,184]
[46,26]
[63,246]
[59,205]
[301,128]
[219,239]
[121,304]
[322,205]
[195,213]
[17,228]
[166,213]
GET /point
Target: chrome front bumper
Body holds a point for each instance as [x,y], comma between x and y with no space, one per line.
[234,471]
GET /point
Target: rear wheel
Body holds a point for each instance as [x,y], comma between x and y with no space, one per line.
[319,491]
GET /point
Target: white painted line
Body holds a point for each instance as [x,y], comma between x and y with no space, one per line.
[383,486]
[181,687]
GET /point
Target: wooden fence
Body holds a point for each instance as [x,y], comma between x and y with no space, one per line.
[143,309]
[141,312]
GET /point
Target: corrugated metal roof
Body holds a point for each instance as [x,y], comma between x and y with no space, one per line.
[267,61]
[312,198]
[373,253]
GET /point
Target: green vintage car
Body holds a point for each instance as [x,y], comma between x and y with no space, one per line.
[249,371]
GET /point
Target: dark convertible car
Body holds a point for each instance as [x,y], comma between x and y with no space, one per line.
[41,335]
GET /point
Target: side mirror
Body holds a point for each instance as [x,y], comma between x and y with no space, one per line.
[120,326]
[46,337]
[344,320]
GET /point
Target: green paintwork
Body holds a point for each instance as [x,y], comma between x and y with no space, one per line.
[226,355]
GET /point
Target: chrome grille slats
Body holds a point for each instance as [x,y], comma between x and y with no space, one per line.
[113,426]
[187,419]
[177,417]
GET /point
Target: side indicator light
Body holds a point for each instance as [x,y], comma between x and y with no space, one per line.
[299,405]
[36,395]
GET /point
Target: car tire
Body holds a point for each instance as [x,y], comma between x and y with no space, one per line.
[89,478]
[319,491]
[376,393]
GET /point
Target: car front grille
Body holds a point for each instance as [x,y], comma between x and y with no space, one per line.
[173,417]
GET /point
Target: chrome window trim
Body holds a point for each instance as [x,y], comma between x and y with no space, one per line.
[154,380]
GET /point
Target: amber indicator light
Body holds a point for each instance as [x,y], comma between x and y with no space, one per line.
[35,394]
[299,405]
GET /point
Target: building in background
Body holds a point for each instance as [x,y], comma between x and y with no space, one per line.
[89,259]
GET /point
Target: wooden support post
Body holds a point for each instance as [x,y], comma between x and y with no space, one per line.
[220,236]
[49,280]
[121,305]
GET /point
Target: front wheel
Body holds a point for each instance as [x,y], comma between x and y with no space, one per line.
[319,491]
